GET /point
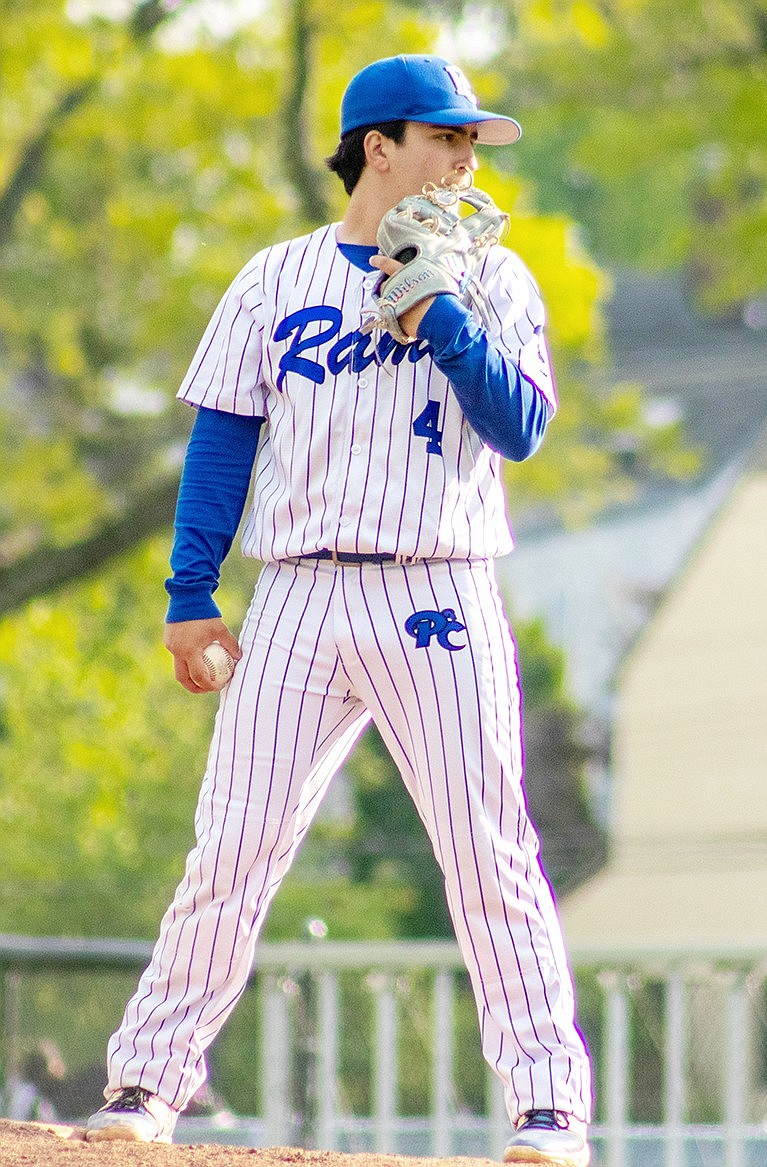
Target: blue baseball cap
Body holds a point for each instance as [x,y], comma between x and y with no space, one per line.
[416,88]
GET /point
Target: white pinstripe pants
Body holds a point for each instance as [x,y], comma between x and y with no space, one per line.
[324,647]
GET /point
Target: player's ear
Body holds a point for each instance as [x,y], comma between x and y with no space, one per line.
[376,147]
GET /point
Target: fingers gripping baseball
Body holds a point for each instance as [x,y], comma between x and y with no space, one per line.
[435,250]
[187,641]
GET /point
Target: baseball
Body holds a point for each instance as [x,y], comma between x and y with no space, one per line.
[219,664]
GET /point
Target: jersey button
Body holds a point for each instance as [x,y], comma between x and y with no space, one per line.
[363,382]
[356,448]
[344,521]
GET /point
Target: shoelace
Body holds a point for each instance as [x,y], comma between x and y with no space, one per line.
[130,1099]
[546,1120]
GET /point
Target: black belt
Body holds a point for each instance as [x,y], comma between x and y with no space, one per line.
[358,556]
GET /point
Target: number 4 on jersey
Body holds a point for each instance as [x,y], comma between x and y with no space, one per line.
[426,425]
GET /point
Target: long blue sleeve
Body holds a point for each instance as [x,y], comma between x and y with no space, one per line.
[502,405]
[214,486]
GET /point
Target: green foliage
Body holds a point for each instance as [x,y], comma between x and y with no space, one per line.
[388,845]
[100,759]
[47,491]
[108,263]
[350,909]
[647,122]
[139,173]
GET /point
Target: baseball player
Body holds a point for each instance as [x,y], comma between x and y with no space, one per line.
[374,372]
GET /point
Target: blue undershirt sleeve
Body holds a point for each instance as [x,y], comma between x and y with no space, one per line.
[506,409]
[214,486]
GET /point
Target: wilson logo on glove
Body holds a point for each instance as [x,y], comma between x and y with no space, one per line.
[406,285]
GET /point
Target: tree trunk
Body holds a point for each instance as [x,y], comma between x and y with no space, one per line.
[307,179]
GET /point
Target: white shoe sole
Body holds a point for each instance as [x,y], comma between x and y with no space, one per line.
[122,1131]
[531,1155]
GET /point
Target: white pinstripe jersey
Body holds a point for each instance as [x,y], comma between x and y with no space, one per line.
[357,455]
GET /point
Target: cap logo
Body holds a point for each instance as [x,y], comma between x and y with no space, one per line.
[461,83]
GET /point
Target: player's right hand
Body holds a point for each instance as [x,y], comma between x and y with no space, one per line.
[187,639]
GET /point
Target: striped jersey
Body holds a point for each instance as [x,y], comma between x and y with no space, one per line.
[365,446]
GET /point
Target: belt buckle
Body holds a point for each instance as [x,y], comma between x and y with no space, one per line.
[334,557]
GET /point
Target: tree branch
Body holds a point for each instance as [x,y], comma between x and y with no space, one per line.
[47,568]
[148,15]
[27,173]
[145,19]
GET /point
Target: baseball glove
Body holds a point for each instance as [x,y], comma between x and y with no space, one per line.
[440,251]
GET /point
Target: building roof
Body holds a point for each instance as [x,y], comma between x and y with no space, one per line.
[713,372]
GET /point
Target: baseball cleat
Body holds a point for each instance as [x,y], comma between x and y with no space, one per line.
[135,1115]
[548,1138]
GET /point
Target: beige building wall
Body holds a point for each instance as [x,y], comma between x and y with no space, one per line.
[689,860]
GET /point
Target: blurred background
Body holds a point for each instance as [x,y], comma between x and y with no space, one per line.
[147,149]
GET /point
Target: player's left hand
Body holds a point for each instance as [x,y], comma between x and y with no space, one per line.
[437,250]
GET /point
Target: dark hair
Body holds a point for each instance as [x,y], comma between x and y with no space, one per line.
[348,162]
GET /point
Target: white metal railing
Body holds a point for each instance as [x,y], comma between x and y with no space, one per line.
[739,1137]
[734,981]
[705,1004]
[383,969]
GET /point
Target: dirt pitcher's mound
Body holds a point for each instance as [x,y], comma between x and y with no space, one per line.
[48,1145]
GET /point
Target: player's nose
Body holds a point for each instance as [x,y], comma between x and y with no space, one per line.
[470,161]
[467,166]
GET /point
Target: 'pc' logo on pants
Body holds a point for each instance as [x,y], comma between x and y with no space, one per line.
[424,625]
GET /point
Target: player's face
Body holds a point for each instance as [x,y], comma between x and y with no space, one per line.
[429,153]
